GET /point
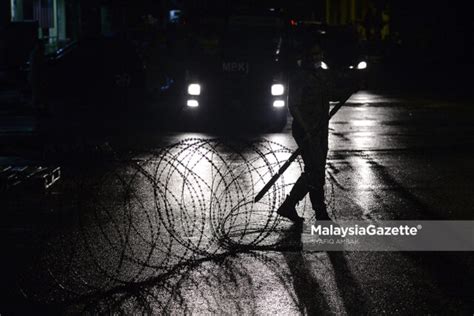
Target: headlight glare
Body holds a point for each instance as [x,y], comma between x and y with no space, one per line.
[278,103]
[192,103]
[362,65]
[324,65]
[278,89]
[194,89]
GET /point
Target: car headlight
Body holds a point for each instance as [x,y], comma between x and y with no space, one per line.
[362,65]
[194,89]
[324,65]
[278,89]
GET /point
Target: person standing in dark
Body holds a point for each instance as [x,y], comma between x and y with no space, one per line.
[312,89]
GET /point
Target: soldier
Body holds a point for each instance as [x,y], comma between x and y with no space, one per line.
[311,91]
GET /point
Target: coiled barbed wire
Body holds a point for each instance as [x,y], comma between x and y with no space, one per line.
[151,216]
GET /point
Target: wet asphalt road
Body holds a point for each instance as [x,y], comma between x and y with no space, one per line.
[170,227]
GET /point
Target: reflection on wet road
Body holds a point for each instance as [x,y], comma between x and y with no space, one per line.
[172,229]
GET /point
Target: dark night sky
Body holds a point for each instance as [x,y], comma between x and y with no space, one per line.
[445,29]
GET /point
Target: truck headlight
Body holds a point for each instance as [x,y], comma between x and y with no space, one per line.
[278,103]
[362,65]
[194,89]
[192,103]
[278,89]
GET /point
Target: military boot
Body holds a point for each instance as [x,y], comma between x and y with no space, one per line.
[288,210]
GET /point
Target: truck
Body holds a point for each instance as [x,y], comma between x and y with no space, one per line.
[237,69]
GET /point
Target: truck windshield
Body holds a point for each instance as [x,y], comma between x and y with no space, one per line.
[256,34]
